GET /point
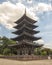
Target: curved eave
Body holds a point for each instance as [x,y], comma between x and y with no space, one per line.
[27,23]
[38,45]
[18,39]
[25,28]
[25,17]
[26,43]
[28,36]
[32,44]
[31,26]
[18,33]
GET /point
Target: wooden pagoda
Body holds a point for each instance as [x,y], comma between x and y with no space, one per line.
[25,36]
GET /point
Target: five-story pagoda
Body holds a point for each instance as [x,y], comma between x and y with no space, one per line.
[25,31]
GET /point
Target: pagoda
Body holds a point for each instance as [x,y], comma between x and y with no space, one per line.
[25,36]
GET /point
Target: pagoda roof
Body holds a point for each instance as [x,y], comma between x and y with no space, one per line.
[27,23]
[25,28]
[25,17]
[26,35]
[24,31]
[26,43]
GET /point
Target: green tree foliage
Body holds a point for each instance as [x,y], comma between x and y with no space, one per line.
[6,51]
[4,42]
[4,47]
[43,53]
[47,51]
[37,51]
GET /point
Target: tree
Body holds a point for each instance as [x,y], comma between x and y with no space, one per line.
[47,50]
[6,51]
[37,51]
[43,53]
[5,42]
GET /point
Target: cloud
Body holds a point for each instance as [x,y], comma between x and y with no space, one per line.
[48,45]
[9,13]
[44,7]
[14,1]
[29,1]
[41,7]
[45,44]
[6,11]
[40,41]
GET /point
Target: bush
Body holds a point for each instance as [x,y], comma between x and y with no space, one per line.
[6,51]
[44,53]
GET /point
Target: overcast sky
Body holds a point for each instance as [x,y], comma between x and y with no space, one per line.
[40,10]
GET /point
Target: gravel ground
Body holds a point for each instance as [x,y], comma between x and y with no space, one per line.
[35,62]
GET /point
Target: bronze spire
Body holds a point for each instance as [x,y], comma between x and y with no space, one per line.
[25,11]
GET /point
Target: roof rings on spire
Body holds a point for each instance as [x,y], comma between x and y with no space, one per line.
[25,11]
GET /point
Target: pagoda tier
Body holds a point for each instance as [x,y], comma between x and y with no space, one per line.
[22,31]
[24,28]
[27,23]
[27,18]
[26,43]
[27,36]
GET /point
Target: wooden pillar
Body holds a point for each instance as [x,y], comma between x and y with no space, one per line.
[26,51]
[11,51]
[32,50]
[22,51]
[18,51]
[29,51]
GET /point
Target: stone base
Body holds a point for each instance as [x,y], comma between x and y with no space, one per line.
[26,57]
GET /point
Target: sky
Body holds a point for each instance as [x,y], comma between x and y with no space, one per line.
[39,10]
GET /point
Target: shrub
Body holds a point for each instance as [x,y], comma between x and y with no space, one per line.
[6,51]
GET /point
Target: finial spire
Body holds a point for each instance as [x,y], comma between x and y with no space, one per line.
[25,11]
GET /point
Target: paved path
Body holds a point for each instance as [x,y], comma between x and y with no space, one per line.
[35,62]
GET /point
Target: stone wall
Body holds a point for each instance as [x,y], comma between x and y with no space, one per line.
[26,57]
